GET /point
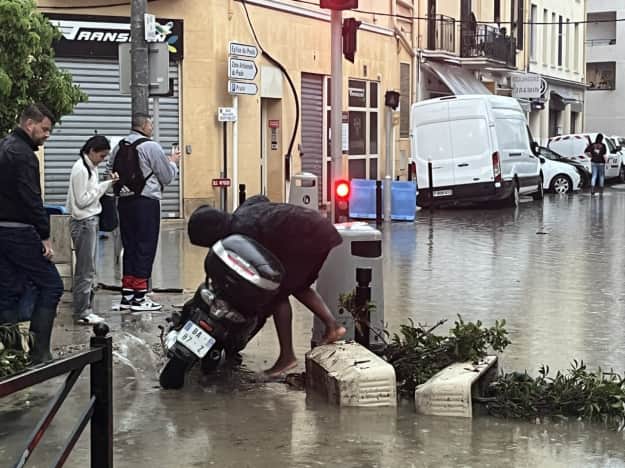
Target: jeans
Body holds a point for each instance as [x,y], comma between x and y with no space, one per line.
[85,239]
[139,225]
[598,172]
[26,273]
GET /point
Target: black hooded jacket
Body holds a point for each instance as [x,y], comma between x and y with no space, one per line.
[301,238]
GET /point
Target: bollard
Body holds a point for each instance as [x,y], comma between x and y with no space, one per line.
[378,203]
[241,194]
[102,390]
[431,185]
[363,295]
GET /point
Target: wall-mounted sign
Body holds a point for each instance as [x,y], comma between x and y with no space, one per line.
[242,87]
[241,69]
[221,182]
[85,36]
[527,86]
[274,124]
[242,50]
[226,114]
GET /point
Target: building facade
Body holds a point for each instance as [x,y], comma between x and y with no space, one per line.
[296,34]
[605,67]
[556,34]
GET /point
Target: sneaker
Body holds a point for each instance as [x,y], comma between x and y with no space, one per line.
[125,304]
[90,319]
[145,305]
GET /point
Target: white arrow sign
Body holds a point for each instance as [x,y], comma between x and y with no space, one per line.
[235,87]
[242,50]
[241,69]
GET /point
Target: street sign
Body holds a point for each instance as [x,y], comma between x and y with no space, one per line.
[242,50]
[527,86]
[235,87]
[221,182]
[226,114]
[241,69]
[150,27]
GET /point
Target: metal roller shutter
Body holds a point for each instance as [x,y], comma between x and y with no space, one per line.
[108,113]
[312,127]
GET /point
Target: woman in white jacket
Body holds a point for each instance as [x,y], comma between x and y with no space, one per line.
[83,204]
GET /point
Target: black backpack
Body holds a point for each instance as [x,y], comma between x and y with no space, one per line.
[127,166]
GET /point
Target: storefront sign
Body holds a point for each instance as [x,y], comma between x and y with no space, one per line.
[87,36]
[527,86]
[221,182]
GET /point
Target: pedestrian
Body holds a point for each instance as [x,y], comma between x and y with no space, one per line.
[597,153]
[144,170]
[25,247]
[83,204]
[300,238]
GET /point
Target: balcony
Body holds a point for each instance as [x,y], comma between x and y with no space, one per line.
[442,33]
[488,42]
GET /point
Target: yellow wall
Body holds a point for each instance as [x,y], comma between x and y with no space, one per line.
[302,44]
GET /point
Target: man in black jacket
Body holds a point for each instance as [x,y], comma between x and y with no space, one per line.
[25,248]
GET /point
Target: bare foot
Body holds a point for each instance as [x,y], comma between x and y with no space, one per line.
[333,334]
[281,366]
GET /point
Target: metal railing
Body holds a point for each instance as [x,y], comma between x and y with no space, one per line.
[442,33]
[490,42]
[99,409]
[600,42]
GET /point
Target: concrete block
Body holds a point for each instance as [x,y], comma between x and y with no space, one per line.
[67,275]
[348,374]
[61,238]
[449,392]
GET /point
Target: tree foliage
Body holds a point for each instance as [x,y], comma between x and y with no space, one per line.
[27,69]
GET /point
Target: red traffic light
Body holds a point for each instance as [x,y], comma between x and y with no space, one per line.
[341,189]
[338,4]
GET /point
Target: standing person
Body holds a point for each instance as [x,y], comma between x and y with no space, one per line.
[300,238]
[143,170]
[25,247]
[597,153]
[83,204]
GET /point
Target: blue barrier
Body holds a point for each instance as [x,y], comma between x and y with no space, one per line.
[403,200]
[55,209]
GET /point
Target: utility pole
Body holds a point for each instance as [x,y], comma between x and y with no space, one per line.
[140,82]
[336,113]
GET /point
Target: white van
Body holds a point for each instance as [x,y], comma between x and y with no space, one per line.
[479,147]
[572,147]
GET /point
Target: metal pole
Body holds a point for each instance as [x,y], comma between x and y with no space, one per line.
[224,172]
[431,185]
[140,81]
[337,102]
[102,390]
[388,178]
[235,152]
[156,109]
[378,203]
[363,296]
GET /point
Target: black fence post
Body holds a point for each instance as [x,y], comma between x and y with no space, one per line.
[431,185]
[102,389]
[378,203]
[363,296]
[241,194]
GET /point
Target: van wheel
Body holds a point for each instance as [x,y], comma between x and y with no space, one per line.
[540,193]
[514,198]
[621,174]
[561,184]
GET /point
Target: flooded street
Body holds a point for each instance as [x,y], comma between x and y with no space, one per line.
[554,271]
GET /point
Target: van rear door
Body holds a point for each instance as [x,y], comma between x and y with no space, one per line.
[470,141]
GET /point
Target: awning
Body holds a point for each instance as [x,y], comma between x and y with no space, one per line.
[457,79]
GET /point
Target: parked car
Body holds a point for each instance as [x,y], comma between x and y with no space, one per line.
[581,168]
[572,147]
[479,147]
[559,177]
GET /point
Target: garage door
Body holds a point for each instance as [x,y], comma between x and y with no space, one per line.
[107,113]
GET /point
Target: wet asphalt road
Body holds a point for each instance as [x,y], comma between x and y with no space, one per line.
[553,270]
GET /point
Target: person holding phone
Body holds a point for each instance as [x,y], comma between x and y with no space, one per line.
[83,204]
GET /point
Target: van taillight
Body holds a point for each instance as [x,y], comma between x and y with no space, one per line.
[496,166]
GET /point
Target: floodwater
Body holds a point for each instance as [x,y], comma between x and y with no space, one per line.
[554,271]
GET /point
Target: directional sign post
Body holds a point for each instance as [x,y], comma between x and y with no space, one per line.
[239,87]
[243,50]
[241,69]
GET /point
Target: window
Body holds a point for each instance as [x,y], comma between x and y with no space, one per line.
[576,49]
[497,9]
[560,40]
[433,141]
[520,27]
[554,39]
[601,76]
[567,35]
[404,100]
[533,31]
[511,134]
[545,35]
[467,137]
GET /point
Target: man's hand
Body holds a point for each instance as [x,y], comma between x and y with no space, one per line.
[114,176]
[47,249]
[175,155]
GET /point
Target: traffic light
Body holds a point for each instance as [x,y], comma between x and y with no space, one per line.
[342,191]
[338,4]
[350,30]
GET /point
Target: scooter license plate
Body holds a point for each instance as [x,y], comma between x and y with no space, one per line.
[195,339]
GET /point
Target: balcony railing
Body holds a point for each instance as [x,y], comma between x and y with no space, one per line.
[600,42]
[442,33]
[489,42]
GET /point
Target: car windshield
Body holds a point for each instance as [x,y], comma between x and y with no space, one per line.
[610,144]
[547,153]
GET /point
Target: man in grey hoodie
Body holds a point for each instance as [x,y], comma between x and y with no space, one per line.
[140,213]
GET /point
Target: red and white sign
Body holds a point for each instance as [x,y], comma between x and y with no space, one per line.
[221,182]
[274,124]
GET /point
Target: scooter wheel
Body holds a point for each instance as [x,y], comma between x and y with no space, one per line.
[172,375]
